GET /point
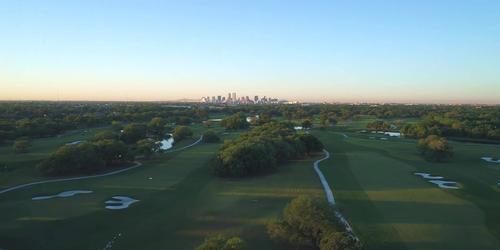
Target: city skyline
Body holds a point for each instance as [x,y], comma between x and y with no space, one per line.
[322,51]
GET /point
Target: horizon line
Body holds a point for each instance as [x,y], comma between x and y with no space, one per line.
[191,100]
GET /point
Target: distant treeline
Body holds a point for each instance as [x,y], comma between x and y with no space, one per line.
[43,119]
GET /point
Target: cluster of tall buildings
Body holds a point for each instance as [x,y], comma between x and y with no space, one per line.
[232,98]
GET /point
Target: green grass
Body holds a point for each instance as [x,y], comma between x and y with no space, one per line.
[22,166]
[373,182]
[390,208]
[181,205]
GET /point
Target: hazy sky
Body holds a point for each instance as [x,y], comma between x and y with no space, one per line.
[351,50]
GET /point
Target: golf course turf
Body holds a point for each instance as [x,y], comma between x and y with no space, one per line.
[391,208]
[180,201]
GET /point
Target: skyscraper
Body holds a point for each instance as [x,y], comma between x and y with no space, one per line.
[234,96]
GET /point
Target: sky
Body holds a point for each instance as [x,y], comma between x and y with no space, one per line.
[445,51]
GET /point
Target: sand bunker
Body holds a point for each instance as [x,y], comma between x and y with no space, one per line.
[74,143]
[445,184]
[120,202]
[383,138]
[438,181]
[490,159]
[429,176]
[62,194]
[393,134]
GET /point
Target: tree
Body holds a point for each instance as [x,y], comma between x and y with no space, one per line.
[244,159]
[307,124]
[116,125]
[312,144]
[105,135]
[220,242]
[184,120]
[210,137]
[236,121]
[435,149]
[133,133]
[378,126]
[338,241]
[157,127]
[147,147]
[323,120]
[310,223]
[113,151]
[181,132]
[73,159]
[21,146]
[261,149]
[287,115]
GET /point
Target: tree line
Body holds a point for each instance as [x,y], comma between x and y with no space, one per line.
[111,148]
[46,119]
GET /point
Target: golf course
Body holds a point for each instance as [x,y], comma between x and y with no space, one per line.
[173,200]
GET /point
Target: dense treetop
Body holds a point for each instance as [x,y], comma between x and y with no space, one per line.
[262,148]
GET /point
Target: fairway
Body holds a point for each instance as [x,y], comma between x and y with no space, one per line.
[180,203]
[391,208]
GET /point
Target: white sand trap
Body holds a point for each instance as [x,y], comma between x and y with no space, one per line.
[120,202]
[383,139]
[438,181]
[62,194]
[445,184]
[429,176]
[393,134]
[490,159]
[74,143]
